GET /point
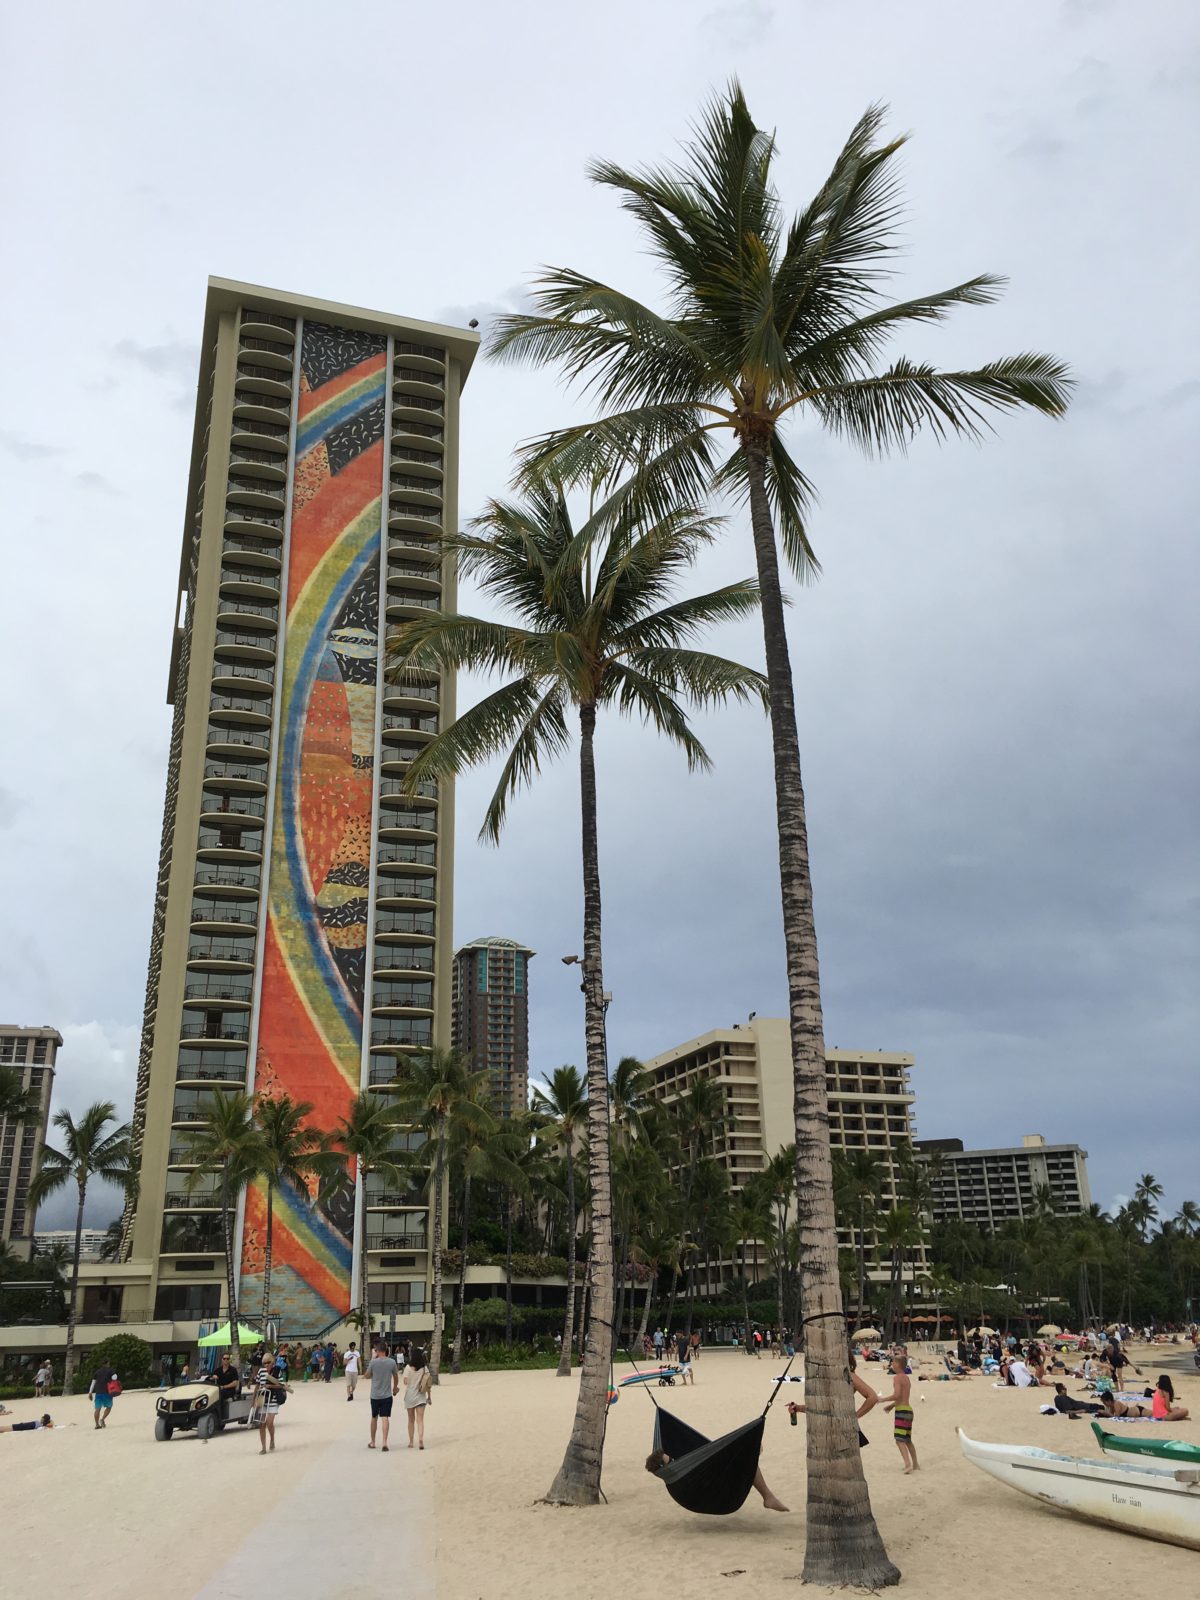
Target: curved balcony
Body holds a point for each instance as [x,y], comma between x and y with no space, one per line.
[206,991]
[426,464]
[240,615]
[412,518]
[421,355]
[406,603]
[220,955]
[240,645]
[264,464]
[416,488]
[240,677]
[256,378]
[184,1200]
[423,725]
[231,810]
[268,324]
[401,1008]
[408,690]
[274,354]
[240,519]
[224,916]
[420,435]
[254,433]
[252,407]
[234,851]
[257,493]
[219,1029]
[412,926]
[421,857]
[420,382]
[251,583]
[412,577]
[232,880]
[400,1035]
[240,710]
[235,740]
[251,552]
[403,958]
[414,547]
[401,824]
[180,1156]
[404,891]
[427,789]
[240,776]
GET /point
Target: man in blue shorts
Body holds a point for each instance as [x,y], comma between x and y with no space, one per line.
[385,1381]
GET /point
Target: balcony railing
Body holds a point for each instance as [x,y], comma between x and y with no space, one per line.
[247,738]
[235,771]
[427,788]
[239,702]
[226,877]
[209,1075]
[249,544]
[424,855]
[263,486]
[422,513]
[429,570]
[403,958]
[411,691]
[426,602]
[402,1034]
[235,638]
[252,371]
[217,989]
[222,950]
[396,1241]
[425,821]
[271,346]
[417,997]
[433,351]
[410,722]
[405,922]
[259,458]
[416,402]
[249,608]
[418,375]
[227,1029]
[383,1198]
[244,912]
[404,889]
[179,1155]
[264,430]
[263,519]
[245,670]
[430,458]
[233,806]
[250,397]
[423,430]
[181,1200]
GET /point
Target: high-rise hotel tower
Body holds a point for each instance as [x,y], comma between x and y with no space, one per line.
[302,918]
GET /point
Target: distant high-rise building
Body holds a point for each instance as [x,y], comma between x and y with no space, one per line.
[302,918]
[491,1016]
[870,1108]
[989,1187]
[29,1053]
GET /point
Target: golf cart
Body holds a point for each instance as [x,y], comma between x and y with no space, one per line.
[198,1407]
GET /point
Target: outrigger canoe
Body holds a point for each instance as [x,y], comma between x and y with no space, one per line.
[1177,1450]
[1160,1501]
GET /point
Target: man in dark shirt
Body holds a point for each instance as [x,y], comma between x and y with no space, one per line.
[228,1381]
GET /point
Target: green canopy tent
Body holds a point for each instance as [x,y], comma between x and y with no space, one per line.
[222,1336]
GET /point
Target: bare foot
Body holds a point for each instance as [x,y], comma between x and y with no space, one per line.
[907,1470]
[771,1504]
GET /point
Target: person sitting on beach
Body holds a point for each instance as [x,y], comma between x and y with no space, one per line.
[658,1459]
[1163,1406]
[955,1368]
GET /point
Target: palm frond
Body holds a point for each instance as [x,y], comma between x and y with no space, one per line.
[674,624]
[447,641]
[637,693]
[705,680]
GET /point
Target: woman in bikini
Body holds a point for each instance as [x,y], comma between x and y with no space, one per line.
[1124,1408]
[1163,1407]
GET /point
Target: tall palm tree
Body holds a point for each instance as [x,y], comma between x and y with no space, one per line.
[858,1186]
[369,1135]
[779,1176]
[696,1119]
[293,1153]
[770,323]
[432,1088]
[597,630]
[90,1149]
[899,1232]
[750,1218]
[563,1104]
[629,1096]
[480,1151]
[228,1152]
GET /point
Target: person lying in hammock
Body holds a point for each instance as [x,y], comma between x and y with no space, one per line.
[658,1459]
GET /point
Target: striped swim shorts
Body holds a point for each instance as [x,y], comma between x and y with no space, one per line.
[902,1422]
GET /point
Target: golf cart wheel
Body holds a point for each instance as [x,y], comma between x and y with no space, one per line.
[162,1429]
[206,1426]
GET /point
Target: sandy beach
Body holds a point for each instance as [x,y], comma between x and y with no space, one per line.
[117,1516]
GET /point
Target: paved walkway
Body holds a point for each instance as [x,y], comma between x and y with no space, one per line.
[357,1525]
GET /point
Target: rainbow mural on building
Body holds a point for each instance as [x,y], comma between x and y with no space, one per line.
[314,960]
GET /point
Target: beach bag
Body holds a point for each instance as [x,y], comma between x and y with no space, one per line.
[425,1385]
[114,1386]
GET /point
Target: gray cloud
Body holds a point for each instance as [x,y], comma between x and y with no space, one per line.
[736,26]
[26,449]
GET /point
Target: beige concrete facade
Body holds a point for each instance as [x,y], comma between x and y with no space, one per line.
[870,1102]
[218,896]
[30,1054]
[991,1187]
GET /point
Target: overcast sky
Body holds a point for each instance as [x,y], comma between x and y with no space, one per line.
[996,674]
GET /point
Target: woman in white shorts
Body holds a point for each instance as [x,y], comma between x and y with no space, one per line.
[418,1392]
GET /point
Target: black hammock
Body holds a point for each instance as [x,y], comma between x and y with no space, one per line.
[711,1476]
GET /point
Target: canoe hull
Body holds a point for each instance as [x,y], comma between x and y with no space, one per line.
[1155,1501]
[1180,1451]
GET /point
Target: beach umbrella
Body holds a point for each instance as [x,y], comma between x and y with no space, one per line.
[1048,1330]
[866,1333]
[986,1331]
[222,1336]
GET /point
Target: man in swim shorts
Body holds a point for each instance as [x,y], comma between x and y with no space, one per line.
[899,1403]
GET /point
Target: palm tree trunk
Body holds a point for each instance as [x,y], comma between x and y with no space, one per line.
[843,1546]
[508,1273]
[364,1304]
[439,1312]
[862,1260]
[745,1292]
[456,1357]
[781,1226]
[641,1333]
[568,1334]
[266,1294]
[235,1347]
[578,1479]
[72,1317]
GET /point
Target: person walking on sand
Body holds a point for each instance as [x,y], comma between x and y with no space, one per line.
[270,1392]
[103,1387]
[350,1364]
[385,1381]
[418,1394]
[898,1402]
[41,1380]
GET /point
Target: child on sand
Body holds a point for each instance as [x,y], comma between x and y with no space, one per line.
[898,1403]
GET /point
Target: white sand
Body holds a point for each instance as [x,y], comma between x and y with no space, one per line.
[118,1516]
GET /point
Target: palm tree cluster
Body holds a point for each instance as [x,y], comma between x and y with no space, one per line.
[768,322]
[1130,1264]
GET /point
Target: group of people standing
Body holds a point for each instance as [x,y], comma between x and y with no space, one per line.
[680,1347]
